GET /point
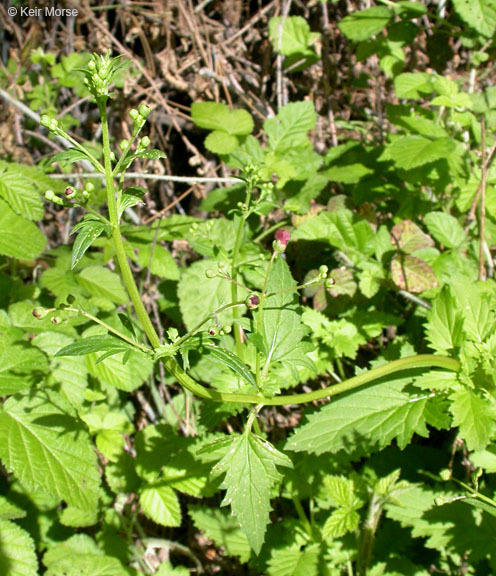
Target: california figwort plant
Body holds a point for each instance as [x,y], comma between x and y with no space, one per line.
[244,336]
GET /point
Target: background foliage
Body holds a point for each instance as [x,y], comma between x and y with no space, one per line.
[375,123]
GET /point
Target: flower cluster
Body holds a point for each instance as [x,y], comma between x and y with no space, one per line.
[100,74]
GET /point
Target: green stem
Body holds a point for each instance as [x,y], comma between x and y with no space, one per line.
[110,329]
[127,275]
[303,517]
[238,330]
[258,374]
[420,361]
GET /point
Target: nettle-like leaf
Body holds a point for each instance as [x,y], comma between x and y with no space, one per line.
[444,329]
[18,362]
[409,152]
[413,85]
[250,468]
[14,228]
[100,281]
[47,449]
[361,25]
[18,555]
[478,14]
[226,124]
[445,228]
[290,127]
[223,529]
[19,187]
[89,229]
[408,237]
[295,561]
[366,420]
[282,329]
[160,503]
[345,518]
[475,416]
[292,38]
[199,296]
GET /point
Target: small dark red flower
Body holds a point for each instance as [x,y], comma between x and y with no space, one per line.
[283,236]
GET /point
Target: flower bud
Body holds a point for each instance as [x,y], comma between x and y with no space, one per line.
[112,156]
[210,273]
[124,144]
[45,120]
[226,329]
[56,320]
[252,301]
[323,270]
[280,243]
[212,331]
[145,142]
[69,193]
[329,282]
[40,312]
[133,114]
[89,187]
[144,110]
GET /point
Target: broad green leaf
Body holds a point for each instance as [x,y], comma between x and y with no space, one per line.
[340,522]
[294,561]
[19,238]
[289,128]
[10,511]
[17,551]
[475,416]
[367,419]
[445,228]
[88,231]
[250,473]
[349,174]
[233,362]
[47,448]
[70,156]
[113,372]
[87,565]
[408,237]
[477,309]
[444,328]
[160,503]
[100,281]
[409,152]
[157,258]
[413,85]
[295,37]
[19,364]
[200,296]
[218,116]
[478,14]
[131,197]
[282,329]
[20,192]
[363,24]
[411,273]
[223,529]
[220,142]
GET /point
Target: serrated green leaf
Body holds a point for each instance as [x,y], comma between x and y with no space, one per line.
[340,522]
[87,565]
[113,372]
[409,152]
[19,238]
[294,561]
[250,473]
[20,192]
[218,116]
[445,228]
[199,296]
[233,362]
[294,38]
[366,419]
[223,529]
[17,362]
[363,24]
[413,85]
[478,14]
[47,449]
[18,555]
[160,503]
[282,329]
[408,237]
[89,229]
[444,328]
[475,416]
[9,510]
[100,281]
[289,128]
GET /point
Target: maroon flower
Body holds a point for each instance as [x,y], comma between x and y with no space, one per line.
[281,241]
[252,301]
